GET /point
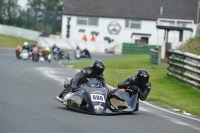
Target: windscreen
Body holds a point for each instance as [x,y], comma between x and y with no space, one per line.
[95,83]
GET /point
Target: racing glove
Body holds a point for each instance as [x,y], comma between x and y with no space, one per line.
[123,84]
[129,89]
[135,88]
[74,88]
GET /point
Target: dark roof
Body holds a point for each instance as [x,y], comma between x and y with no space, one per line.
[173,28]
[133,9]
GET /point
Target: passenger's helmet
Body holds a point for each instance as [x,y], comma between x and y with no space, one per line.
[25,43]
[143,76]
[98,67]
[47,48]
[54,45]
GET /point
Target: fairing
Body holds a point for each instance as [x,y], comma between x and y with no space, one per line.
[92,97]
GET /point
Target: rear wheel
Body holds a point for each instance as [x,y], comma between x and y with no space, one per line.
[67,56]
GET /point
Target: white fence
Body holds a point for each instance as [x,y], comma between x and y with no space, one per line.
[62,43]
[185,66]
[19,32]
[71,44]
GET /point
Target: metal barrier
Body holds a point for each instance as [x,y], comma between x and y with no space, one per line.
[155,56]
[184,66]
[130,48]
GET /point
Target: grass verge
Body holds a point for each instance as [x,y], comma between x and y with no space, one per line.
[165,89]
[12,42]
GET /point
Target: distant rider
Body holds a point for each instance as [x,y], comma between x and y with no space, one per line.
[35,50]
[55,49]
[94,71]
[85,53]
[18,50]
[45,52]
[77,50]
[25,46]
[138,84]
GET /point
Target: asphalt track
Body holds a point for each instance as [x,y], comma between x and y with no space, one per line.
[28,105]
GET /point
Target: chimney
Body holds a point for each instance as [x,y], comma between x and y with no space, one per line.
[161,10]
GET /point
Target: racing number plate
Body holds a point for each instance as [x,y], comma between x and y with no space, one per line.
[97,98]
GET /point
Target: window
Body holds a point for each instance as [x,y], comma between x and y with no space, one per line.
[92,21]
[82,21]
[133,24]
[182,24]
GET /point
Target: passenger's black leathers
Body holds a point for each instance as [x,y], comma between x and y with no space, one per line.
[80,78]
[133,84]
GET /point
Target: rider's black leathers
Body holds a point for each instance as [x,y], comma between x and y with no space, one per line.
[132,83]
[25,47]
[80,78]
[86,52]
[55,47]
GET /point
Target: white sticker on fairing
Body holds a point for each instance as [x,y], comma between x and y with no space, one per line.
[84,71]
[97,98]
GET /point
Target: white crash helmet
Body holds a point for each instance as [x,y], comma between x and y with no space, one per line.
[47,48]
[25,43]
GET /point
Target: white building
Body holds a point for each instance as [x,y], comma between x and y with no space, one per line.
[93,23]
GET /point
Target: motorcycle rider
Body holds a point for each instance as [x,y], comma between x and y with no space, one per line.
[138,84]
[86,53]
[93,71]
[18,50]
[35,51]
[55,49]
[77,50]
[25,46]
[45,52]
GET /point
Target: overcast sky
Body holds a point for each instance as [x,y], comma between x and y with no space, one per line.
[22,3]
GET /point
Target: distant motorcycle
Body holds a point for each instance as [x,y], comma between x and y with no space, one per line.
[44,57]
[18,54]
[82,54]
[24,54]
[35,56]
[35,53]
[18,51]
[60,54]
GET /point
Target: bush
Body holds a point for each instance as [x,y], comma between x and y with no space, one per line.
[192,45]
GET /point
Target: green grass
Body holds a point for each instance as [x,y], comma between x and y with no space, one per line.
[12,42]
[165,89]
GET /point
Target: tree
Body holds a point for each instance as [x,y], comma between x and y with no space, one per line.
[7,11]
[47,10]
